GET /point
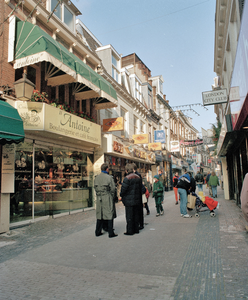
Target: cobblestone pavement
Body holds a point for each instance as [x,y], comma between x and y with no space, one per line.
[172,257]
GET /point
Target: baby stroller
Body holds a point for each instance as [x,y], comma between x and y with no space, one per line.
[201,206]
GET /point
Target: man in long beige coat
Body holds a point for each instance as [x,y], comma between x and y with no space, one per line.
[105,207]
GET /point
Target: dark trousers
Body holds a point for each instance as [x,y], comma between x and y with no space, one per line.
[133,218]
[147,207]
[141,215]
[99,226]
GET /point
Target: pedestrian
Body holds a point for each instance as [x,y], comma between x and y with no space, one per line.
[199,181]
[131,196]
[213,182]
[105,207]
[244,200]
[141,211]
[158,195]
[147,193]
[209,186]
[184,185]
[175,180]
[162,179]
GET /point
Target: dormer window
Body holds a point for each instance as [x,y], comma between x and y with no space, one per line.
[64,13]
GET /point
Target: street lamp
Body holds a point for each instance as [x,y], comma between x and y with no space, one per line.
[24,88]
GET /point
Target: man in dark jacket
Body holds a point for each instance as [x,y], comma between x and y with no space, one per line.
[199,181]
[105,207]
[184,184]
[141,211]
[131,191]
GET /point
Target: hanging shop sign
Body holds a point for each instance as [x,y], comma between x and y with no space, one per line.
[214,97]
[154,146]
[159,136]
[113,124]
[175,146]
[191,143]
[140,138]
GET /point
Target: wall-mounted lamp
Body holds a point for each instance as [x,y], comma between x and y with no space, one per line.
[24,88]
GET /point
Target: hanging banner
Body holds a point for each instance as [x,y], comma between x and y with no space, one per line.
[154,146]
[113,124]
[159,136]
[191,143]
[175,146]
[140,138]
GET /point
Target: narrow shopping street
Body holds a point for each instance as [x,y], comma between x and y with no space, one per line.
[171,258]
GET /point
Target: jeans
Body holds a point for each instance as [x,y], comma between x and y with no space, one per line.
[200,186]
[214,190]
[183,201]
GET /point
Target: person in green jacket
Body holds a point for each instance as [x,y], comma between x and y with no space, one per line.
[158,190]
[213,182]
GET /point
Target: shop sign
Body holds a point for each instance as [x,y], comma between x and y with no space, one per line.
[113,124]
[140,138]
[154,146]
[8,158]
[44,117]
[118,147]
[214,97]
[191,143]
[175,146]
[209,161]
[159,157]
[159,136]
[143,154]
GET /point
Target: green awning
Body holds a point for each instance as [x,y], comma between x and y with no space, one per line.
[33,45]
[11,125]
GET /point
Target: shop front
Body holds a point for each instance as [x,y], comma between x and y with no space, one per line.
[53,167]
[118,153]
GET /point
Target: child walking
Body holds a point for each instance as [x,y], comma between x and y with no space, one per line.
[158,195]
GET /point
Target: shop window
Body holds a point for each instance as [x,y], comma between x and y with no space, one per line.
[62,177]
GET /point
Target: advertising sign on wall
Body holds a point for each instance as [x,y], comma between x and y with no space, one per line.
[154,146]
[175,146]
[113,124]
[159,136]
[140,138]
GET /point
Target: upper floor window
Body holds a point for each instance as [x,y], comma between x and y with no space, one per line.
[137,91]
[160,86]
[142,127]
[63,13]
[149,99]
[124,133]
[135,124]
[115,68]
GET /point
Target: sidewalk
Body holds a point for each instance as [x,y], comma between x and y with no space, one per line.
[172,257]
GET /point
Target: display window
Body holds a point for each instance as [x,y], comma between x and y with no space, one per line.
[63,181]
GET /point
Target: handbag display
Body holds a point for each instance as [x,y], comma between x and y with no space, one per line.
[144,199]
[191,201]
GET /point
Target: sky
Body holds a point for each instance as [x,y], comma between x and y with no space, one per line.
[173,38]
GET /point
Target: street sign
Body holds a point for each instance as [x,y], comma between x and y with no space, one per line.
[214,97]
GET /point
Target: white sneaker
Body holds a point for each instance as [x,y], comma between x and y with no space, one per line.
[182,215]
[157,215]
[187,216]
[162,212]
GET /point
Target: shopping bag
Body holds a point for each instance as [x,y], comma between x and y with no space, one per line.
[144,199]
[191,201]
